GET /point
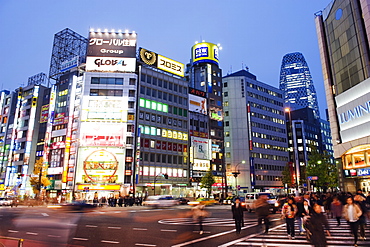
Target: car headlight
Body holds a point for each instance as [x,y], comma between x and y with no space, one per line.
[276,204]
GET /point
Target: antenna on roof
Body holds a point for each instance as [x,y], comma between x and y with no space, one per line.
[247,68]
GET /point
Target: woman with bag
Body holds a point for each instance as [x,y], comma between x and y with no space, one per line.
[288,213]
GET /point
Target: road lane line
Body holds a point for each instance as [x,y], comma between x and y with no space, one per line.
[32,233]
[114,227]
[91,226]
[54,236]
[82,239]
[12,231]
[149,245]
[139,229]
[44,214]
[167,230]
[109,242]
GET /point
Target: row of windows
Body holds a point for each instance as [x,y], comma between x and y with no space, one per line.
[268,137]
[171,172]
[163,158]
[269,156]
[163,95]
[266,108]
[265,90]
[265,117]
[263,98]
[268,127]
[106,92]
[152,130]
[268,167]
[163,120]
[268,178]
[164,84]
[268,146]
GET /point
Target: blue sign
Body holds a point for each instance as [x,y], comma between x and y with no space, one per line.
[363,172]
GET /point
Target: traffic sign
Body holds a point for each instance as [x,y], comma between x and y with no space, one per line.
[312,177]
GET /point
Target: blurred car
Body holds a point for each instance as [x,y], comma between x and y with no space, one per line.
[251,198]
[74,206]
[203,201]
[182,201]
[231,199]
[160,201]
[5,201]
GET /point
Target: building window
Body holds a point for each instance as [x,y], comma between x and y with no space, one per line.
[104,80]
[226,123]
[131,93]
[132,81]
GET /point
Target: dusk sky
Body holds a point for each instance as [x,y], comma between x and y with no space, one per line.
[253,33]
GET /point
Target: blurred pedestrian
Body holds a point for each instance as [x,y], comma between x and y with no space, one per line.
[288,213]
[336,209]
[304,210]
[361,201]
[199,213]
[263,212]
[238,214]
[352,213]
[315,228]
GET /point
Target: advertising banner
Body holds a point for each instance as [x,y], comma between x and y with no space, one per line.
[205,53]
[201,165]
[197,104]
[44,113]
[111,64]
[98,134]
[201,148]
[110,44]
[161,62]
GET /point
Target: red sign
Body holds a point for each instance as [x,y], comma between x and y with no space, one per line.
[169,146]
[129,159]
[179,147]
[158,145]
[164,145]
[108,140]
[185,148]
[174,147]
[146,143]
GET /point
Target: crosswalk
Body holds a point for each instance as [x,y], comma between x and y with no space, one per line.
[277,237]
[220,222]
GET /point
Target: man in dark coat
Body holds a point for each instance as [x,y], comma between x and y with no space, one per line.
[263,211]
[238,214]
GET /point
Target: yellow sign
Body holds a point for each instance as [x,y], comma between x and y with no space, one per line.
[98,187]
[2,187]
[170,65]
[205,53]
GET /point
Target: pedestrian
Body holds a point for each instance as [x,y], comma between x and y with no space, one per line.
[288,213]
[336,209]
[262,208]
[361,201]
[199,213]
[314,226]
[352,213]
[304,210]
[238,214]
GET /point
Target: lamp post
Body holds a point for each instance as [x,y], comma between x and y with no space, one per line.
[295,151]
[155,179]
[236,174]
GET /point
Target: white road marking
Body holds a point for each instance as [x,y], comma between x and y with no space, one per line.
[91,226]
[114,227]
[167,230]
[44,214]
[12,231]
[82,239]
[149,245]
[54,236]
[109,242]
[139,229]
[32,233]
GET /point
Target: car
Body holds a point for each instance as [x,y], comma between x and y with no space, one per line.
[160,201]
[250,199]
[203,201]
[182,201]
[5,201]
[77,206]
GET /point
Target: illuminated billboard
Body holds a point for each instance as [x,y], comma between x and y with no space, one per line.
[111,64]
[201,165]
[98,134]
[197,104]
[161,62]
[109,108]
[112,44]
[201,148]
[353,111]
[205,53]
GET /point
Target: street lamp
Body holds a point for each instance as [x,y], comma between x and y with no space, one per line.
[293,136]
[236,173]
[155,179]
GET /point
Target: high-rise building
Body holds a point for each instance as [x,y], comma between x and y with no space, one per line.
[255,133]
[344,34]
[206,117]
[296,83]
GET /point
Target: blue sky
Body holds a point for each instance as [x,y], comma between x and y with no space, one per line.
[253,33]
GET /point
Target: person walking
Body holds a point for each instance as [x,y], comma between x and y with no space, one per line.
[263,212]
[361,201]
[238,214]
[304,210]
[288,213]
[336,209]
[315,227]
[352,213]
[199,213]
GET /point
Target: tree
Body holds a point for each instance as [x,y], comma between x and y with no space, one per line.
[39,179]
[207,181]
[287,176]
[320,165]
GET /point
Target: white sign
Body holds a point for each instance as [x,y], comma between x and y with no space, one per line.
[111,64]
[201,148]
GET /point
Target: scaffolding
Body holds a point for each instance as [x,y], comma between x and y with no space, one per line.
[67,45]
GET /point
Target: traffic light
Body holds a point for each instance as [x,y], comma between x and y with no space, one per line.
[165,176]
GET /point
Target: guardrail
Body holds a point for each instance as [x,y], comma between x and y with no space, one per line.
[20,241]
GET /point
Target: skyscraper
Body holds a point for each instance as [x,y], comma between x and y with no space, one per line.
[296,83]
[343,36]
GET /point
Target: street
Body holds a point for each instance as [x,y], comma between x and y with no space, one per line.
[141,226]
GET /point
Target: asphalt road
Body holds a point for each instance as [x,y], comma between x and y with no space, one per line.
[132,226]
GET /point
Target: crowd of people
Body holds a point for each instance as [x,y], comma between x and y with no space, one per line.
[310,212]
[120,201]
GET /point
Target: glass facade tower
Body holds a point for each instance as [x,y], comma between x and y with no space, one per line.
[296,83]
